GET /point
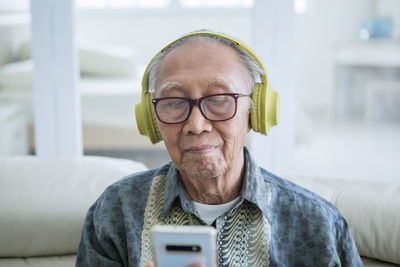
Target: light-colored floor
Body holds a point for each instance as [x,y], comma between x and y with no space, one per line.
[350,151]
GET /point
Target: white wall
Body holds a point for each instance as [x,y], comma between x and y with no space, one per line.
[325,25]
[57,109]
[147,31]
[274,36]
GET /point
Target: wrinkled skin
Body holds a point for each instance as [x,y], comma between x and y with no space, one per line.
[208,155]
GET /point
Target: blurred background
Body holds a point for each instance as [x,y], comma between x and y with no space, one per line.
[346,78]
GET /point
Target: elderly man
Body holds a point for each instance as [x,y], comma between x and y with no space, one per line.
[201,89]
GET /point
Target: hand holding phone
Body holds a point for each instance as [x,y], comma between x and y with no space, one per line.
[184,246]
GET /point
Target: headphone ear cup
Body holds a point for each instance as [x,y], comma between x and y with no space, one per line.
[265,112]
[255,112]
[146,119]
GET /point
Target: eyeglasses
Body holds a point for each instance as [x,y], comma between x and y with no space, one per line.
[217,107]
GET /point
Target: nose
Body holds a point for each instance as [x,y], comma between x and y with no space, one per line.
[196,123]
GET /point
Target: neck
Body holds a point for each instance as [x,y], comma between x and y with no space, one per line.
[217,190]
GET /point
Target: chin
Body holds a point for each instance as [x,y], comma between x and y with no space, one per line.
[203,168]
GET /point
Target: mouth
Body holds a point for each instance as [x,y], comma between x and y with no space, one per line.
[203,149]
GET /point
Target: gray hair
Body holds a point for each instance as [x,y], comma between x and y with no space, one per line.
[249,61]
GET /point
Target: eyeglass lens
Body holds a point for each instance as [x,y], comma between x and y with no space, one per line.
[214,108]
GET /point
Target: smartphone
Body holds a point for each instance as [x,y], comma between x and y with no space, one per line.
[183,246]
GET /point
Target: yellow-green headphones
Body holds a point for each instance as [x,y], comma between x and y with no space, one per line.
[264,114]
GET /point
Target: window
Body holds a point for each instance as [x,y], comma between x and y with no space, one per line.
[216,3]
[122,3]
[164,3]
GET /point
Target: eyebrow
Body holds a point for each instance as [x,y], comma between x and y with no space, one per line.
[220,81]
[169,85]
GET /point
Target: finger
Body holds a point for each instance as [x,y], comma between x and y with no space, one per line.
[149,264]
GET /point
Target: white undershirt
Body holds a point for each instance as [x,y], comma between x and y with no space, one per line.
[208,213]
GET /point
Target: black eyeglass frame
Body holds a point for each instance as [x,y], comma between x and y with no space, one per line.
[197,101]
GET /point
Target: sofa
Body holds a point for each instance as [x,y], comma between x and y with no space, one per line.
[372,209]
[43,202]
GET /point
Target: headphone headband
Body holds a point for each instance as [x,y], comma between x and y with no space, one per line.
[145,82]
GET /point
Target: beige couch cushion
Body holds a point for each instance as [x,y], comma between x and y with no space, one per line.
[43,201]
[54,261]
[375,263]
[372,210]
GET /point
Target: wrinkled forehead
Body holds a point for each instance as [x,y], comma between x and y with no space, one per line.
[199,40]
[204,57]
[185,50]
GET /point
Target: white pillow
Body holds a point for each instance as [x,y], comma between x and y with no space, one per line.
[43,200]
[105,60]
[14,27]
[97,59]
[23,51]
[17,75]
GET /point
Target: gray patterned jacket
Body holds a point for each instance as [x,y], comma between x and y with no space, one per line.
[275,223]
